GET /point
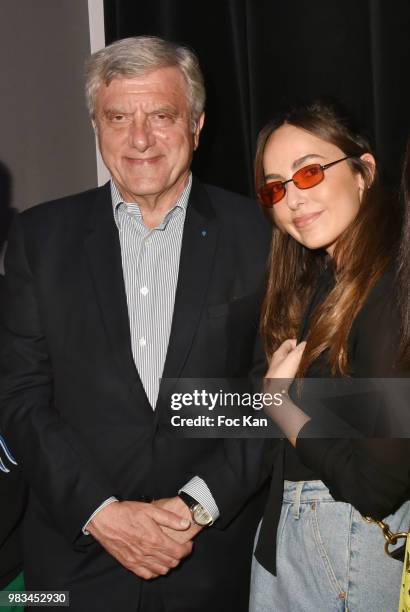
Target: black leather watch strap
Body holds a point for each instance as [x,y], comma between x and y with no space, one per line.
[187,499]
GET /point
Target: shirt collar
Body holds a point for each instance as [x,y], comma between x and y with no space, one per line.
[117,199]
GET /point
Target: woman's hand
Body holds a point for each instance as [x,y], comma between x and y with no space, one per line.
[285,361]
[281,372]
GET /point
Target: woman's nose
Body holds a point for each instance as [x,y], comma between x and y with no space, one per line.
[295,197]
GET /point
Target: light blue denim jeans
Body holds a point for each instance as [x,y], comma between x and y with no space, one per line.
[328,557]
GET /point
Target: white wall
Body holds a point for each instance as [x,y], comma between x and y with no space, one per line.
[97,42]
[46,141]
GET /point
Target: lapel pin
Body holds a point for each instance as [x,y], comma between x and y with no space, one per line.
[204,233]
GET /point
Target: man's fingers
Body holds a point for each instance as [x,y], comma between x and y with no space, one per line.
[165,518]
[152,565]
[144,556]
[138,537]
[169,548]
[179,536]
[156,542]
[150,568]
[162,559]
[143,572]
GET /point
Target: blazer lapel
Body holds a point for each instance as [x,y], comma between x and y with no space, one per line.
[197,257]
[103,251]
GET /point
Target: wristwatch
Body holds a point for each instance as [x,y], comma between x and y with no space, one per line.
[199,514]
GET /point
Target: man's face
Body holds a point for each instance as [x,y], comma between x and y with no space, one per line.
[146,135]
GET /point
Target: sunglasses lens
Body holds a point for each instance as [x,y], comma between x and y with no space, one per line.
[309,176]
[271,193]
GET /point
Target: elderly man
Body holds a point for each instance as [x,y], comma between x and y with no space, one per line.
[152,275]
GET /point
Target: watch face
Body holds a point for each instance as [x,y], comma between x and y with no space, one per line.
[201,516]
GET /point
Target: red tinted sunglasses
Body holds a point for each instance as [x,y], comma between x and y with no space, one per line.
[305,178]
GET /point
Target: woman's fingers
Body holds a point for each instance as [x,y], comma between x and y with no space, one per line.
[290,364]
[286,360]
[285,348]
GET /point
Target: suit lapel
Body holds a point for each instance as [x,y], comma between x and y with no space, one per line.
[103,252]
[196,262]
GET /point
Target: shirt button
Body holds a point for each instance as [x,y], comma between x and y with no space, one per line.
[144,290]
[142,342]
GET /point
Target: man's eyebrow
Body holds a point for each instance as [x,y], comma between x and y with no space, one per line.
[117,110]
[298,163]
[168,109]
[112,110]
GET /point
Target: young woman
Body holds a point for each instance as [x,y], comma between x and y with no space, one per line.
[331,311]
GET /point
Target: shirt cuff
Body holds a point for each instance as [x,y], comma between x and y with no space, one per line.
[198,489]
[108,501]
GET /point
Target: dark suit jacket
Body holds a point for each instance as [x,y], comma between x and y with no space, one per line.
[11,511]
[12,503]
[76,412]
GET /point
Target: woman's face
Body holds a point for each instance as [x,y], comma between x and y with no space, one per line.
[315,217]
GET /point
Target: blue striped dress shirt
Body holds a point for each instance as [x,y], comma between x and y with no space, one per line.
[150,264]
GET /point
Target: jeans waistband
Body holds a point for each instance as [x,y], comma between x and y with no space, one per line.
[304,492]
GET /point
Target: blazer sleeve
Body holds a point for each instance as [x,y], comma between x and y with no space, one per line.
[64,476]
[357,456]
[246,467]
[246,463]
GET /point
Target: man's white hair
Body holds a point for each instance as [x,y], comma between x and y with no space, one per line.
[132,57]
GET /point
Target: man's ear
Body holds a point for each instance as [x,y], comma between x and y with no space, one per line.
[198,127]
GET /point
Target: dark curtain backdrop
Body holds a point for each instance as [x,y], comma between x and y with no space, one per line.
[258,55]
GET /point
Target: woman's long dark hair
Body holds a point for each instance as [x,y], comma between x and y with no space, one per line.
[360,256]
